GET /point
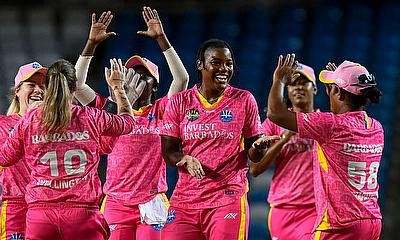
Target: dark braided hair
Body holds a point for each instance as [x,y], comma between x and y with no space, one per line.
[213,43]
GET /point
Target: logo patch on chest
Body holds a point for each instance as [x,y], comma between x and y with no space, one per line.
[226,116]
[151,117]
[192,114]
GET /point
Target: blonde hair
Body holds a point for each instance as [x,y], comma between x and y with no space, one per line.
[60,84]
[14,101]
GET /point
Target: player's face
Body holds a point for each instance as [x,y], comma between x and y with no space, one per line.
[31,90]
[217,69]
[301,92]
[333,98]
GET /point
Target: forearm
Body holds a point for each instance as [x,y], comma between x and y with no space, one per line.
[163,42]
[277,109]
[89,48]
[179,74]
[255,155]
[267,160]
[84,94]
[123,104]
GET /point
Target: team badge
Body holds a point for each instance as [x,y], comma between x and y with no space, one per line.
[192,114]
[171,216]
[157,227]
[226,115]
[16,236]
[36,65]
[151,117]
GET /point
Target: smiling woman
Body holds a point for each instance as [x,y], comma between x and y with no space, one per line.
[28,88]
[208,132]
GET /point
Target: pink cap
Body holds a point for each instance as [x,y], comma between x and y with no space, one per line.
[151,67]
[350,76]
[306,71]
[26,71]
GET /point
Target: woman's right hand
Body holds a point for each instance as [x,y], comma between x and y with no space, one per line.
[98,30]
[284,71]
[192,165]
[331,66]
[115,76]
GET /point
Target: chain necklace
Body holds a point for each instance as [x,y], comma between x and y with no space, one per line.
[212,100]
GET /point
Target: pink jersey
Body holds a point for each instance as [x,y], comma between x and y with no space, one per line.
[13,179]
[213,134]
[292,183]
[136,170]
[349,150]
[64,165]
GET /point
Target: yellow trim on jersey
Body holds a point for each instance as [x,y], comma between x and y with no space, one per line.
[140,110]
[166,201]
[241,141]
[103,204]
[206,103]
[3,220]
[242,227]
[322,158]
[317,235]
[269,217]
[367,121]
[324,225]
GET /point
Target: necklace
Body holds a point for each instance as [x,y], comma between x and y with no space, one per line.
[211,100]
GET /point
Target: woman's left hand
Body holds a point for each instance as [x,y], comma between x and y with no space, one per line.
[265,142]
[154,26]
[285,69]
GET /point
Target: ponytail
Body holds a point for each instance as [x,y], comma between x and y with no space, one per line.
[60,83]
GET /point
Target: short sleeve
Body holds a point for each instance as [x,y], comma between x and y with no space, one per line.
[316,125]
[171,118]
[252,125]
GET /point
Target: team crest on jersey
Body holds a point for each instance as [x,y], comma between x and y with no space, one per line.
[16,236]
[157,227]
[226,115]
[192,114]
[171,216]
[151,117]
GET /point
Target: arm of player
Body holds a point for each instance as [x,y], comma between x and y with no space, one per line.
[156,31]
[13,149]
[277,109]
[258,146]
[173,156]
[270,156]
[97,34]
[115,79]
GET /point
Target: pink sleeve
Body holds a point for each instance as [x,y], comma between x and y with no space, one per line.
[252,125]
[269,128]
[110,124]
[315,125]
[171,118]
[107,144]
[13,149]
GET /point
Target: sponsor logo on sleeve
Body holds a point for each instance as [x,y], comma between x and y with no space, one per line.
[16,236]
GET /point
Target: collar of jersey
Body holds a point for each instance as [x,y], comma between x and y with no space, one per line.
[206,103]
[141,110]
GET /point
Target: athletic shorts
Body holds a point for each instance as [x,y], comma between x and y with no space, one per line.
[365,229]
[230,222]
[289,223]
[13,218]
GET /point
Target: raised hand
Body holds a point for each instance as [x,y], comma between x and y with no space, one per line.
[115,76]
[192,165]
[331,66]
[265,142]
[154,26]
[98,30]
[285,69]
[133,85]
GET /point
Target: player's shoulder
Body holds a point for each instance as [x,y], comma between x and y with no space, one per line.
[186,94]
[235,92]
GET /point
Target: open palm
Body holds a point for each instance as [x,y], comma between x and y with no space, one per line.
[154,26]
[98,30]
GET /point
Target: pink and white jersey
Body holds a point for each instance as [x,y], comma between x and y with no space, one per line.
[349,150]
[13,180]
[214,134]
[292,183]
[64,165]
[136,170]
